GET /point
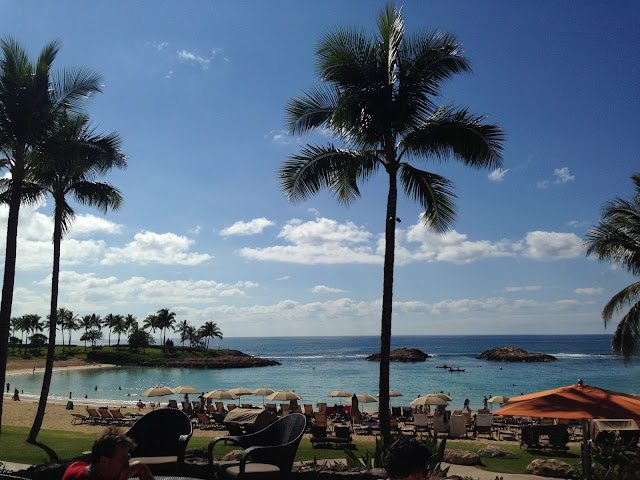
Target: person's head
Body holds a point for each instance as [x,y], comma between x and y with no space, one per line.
[407,458]
[110,454]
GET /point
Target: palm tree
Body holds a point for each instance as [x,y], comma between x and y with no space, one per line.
[131,322]
[73,156]
[165,320]
[617,239]
[182,330]
[151,322]
[86,322]
[378,98]
[108,322]
[30,98]
[33,324]
[119,326]
[210,330]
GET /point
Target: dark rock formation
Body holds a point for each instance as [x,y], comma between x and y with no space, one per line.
[551,468]
[403,355]
[512,354]
[230,359]
[462,457]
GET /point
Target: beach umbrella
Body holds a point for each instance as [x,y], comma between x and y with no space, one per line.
[501,399]
[220,395]
[158,391]
[339,393]
[284,395]
[392,393]
[573,402]
[441,395]
[365,398]
[429,400]
[263,392]
[240,391]
[185,389]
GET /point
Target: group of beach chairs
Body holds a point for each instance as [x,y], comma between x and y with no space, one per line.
[104,416]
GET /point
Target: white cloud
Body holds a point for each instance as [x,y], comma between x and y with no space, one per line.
[498,174]
[281,137]
[562,175]
[552,245]
[254,227]
[196,230]
[149,247]
[543,184]
[322,241]
[90,224]
[313,211]
[201,61]
[325,289]
[529,288]
[588,291]
[286,277]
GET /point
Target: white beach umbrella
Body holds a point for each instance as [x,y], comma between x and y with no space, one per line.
[366,398]
[498,399]
[240,391]
[158,391]
[444,396]
[392,393]
[220,395]
[185,389]
[284,395]
[339,393]
[429,400]
[263,392]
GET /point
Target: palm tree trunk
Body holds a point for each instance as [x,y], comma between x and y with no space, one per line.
[9,272]
[48,369]
[387,304]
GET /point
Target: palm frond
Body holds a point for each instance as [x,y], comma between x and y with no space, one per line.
[433,192]
[98,194]
[620,301]
[30,193]
[458,134]
[391,29]
[318,167]
[312,110]
[627,335]
[73,86]
[67,215]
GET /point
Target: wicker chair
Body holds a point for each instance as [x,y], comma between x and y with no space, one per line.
[161,433]
[268,453]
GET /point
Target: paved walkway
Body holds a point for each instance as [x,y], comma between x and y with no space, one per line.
[479,474]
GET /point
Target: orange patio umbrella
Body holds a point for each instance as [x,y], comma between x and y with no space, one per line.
[579,401]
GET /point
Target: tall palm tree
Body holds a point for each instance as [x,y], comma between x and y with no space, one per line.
[151,322]
[86,323]
[33,324]
[377,98]
[131,322]
[617,239]
[165,320]
[72,157]
[181,329]
[108,322]
[210,330]
[119,326]
[31,95]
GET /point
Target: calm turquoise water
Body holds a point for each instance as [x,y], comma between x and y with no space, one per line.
[314,366]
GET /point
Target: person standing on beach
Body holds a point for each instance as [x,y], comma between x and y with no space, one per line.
[16,396]
[485,401]
[8,385]
[109,460]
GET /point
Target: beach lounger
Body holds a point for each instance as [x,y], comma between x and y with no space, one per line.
[107,418]
[420,423]
[120,419]
[204,422]
[79,419]
[96,418]
[483,425]
[342,436]
[173,404]
[320,419]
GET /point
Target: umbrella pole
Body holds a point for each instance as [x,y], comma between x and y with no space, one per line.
[585,450]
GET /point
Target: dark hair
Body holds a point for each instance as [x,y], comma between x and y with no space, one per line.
[105,445]
[406,456]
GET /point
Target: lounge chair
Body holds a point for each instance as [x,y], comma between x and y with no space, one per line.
[120,419]
[96,418]
[319,436]
[163,434]
[483,425]
[320,419]
[79,419]
[268,453]
[173,404]
[308,409]
[220,407]
[204,421]
[420,423]
[439,425]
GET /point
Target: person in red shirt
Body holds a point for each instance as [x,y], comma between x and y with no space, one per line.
[109,460]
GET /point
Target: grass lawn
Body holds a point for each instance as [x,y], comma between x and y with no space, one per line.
[69,444]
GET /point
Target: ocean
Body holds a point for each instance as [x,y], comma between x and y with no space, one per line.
[314,366]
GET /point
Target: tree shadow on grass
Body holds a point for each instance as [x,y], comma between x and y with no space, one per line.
[53,456]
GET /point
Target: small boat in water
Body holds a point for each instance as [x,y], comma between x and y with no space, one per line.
[443,366]
[456,369]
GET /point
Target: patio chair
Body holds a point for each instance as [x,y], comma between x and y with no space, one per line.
[96,418]
[320,419]
[204,421]
[268,453]
[420,423]
[79,419]
[173,404]
[161,433]
[220,407]
[107,418]
[483,425]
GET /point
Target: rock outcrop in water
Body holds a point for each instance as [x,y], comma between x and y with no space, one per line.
[403,355]
[512,354]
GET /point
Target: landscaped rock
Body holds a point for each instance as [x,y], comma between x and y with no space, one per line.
[493,451]
[233,455]
[551,468]
[512,354]
[462,457]
[403,355]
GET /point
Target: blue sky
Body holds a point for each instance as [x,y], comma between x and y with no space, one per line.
[198,89]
